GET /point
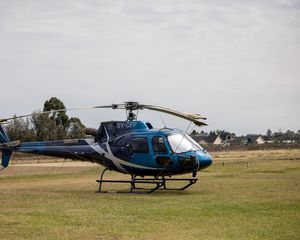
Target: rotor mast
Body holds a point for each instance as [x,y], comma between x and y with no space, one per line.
[130,107]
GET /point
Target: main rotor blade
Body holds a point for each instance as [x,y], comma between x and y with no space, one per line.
[52,111]
[105,106]
[191,117]
[195,118]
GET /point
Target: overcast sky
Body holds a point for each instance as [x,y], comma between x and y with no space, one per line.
[235,62]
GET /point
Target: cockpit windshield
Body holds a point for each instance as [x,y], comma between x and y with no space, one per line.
[183,143]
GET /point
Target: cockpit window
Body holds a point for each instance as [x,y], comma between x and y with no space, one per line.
[183,143]
[139,145]
[158,145]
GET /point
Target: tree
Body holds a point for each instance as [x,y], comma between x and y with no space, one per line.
[225,134]
[44,127]
[212,134]
[290,135]
[269,133]
[298,135]
[61,118]
[19,129]
[75,128]
[194,132]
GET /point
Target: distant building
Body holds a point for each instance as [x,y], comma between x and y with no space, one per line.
[260,140]
[218,140]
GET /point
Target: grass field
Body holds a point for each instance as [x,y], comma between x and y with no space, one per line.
[243,195]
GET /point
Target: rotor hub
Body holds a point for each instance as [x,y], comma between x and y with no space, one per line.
[132,106]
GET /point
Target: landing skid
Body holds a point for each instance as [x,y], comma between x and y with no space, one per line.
[160,183]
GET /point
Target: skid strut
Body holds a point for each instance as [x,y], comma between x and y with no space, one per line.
[160,183]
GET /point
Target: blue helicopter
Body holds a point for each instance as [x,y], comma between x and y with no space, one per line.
[151,156]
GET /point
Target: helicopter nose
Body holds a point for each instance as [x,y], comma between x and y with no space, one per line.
[205,160]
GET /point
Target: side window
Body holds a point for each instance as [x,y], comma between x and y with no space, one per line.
[139,145]
[159,145]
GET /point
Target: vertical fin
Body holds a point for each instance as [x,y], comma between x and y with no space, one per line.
[3,136]
[6,154]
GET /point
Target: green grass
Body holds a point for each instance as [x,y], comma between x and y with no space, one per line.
[260,200]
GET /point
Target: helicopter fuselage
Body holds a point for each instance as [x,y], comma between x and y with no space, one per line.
[130,147]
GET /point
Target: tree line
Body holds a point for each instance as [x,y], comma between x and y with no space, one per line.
[47,126]
[214,133]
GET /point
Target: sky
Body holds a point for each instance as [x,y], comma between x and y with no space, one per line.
[235,62]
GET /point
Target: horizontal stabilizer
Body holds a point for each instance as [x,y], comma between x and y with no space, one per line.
[12,144]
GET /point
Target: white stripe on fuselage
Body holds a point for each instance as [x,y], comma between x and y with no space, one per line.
[117,161]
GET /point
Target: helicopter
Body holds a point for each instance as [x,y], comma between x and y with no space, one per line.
[134,147]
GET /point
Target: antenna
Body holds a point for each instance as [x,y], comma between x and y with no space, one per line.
[165,125]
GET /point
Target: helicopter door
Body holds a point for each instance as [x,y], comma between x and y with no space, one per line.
[161,152]
[140,151]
